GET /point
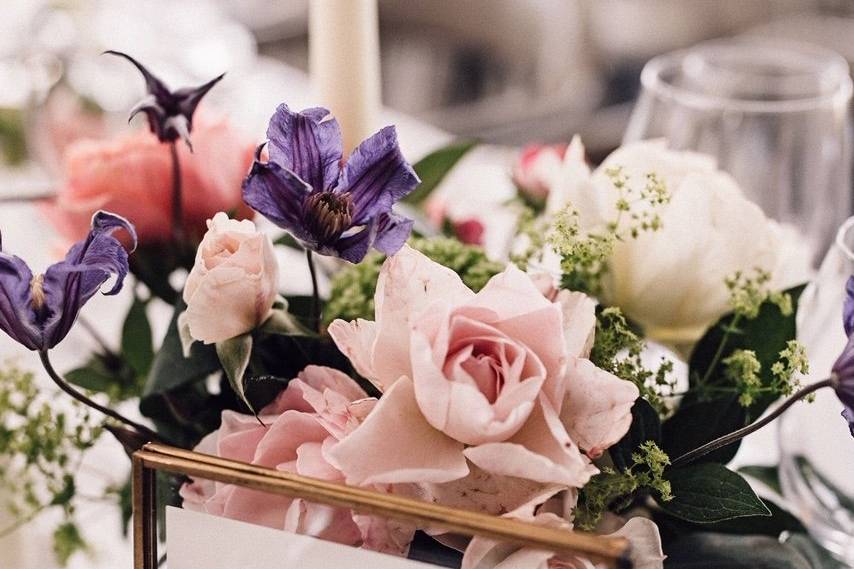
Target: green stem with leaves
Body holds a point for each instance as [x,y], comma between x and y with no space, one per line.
[736,436]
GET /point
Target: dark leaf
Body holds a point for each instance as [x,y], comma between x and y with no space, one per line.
[646,426]
[171,369]
[137,348]
[780,521]
[234,356]
[695,424]
[433,168]
[721,551]
[709,493]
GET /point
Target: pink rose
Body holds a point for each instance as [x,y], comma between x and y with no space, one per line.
[538,167]
[233,284]
[132,176]
[307,419]
[498,378]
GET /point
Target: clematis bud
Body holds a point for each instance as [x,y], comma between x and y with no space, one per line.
[170,113]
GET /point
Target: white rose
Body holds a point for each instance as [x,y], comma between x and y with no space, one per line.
[671,281]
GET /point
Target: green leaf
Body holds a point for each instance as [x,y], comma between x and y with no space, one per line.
[137,347]
[780,521]
[433,168]
[768,475]
[646,426]
[710,493]
[91,378]
[170,369]
[234,356]
[695,424]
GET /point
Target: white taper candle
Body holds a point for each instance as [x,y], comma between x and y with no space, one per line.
[345,64]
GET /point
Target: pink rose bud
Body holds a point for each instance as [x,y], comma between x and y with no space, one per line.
[469,231]
[234,282]
[537,167]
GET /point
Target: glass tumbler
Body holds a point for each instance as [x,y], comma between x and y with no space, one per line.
[816,447]
[774,115]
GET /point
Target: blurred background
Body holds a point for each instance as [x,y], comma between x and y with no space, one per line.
[505,71]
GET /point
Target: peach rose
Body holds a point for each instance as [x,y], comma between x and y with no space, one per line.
[498,378]
[233,284]
[318,408]
[132,176]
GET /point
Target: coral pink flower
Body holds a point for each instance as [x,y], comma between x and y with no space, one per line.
[132,176]
[307,419]
[499,379]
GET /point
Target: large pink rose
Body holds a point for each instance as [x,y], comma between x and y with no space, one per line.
[317,409]
[498,379]
[132,176]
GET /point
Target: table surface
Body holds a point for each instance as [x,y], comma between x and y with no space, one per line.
[26,234]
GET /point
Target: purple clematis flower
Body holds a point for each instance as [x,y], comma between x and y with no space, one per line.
[170,113]
[334,210]
[38,311]
[842,373]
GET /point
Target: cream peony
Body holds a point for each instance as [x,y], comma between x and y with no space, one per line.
[233,284]
[671,281]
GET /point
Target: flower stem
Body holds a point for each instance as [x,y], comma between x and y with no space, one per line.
[315,299]
[67,388]
[751,428]
[177,199]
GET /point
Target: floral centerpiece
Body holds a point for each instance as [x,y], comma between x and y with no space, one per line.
[598,377]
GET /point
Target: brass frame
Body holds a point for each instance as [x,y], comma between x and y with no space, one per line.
[156,457]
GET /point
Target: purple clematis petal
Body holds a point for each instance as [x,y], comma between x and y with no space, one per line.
[848,309]
[307,143]
[278,194]
[842,373]
[377,175]
[38,311]
[15,311]
[392,232]
[355,246]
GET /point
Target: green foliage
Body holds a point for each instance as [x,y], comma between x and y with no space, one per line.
[137,346]
[711,408]
[611,490]
[709,493]
[67,541]
[617,348]
[41,449]
[433,168]
[353,287]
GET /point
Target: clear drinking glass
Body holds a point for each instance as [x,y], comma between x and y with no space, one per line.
[774,114]
[816,447]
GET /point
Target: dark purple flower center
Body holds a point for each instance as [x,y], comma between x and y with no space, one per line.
[328,215]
